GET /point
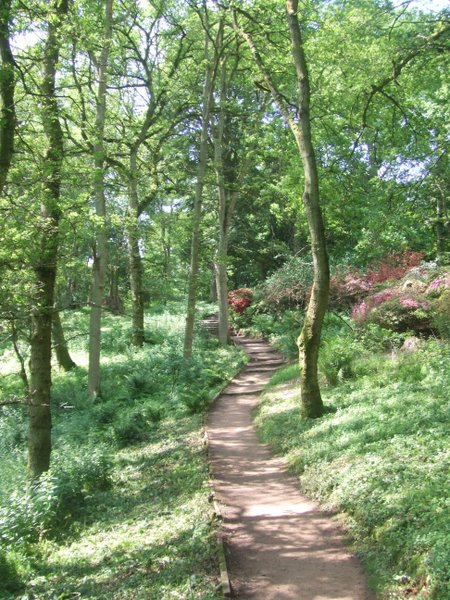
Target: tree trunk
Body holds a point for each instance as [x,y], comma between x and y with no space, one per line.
[213,296]
[40,422]
[222,286]
[101,241]
[222,247]
[60,345]
[114,302]
[309,339]
[134,254]
[7,114]
[211,67]
[19,356]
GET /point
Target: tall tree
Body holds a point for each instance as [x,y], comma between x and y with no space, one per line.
[101,240]
[299,123]
[39,432]
[154,52]
[211,58]
[236,116]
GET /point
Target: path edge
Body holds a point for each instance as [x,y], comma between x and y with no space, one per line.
[224,578]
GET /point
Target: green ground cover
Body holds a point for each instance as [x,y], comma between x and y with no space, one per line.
[124,511]
[379,457]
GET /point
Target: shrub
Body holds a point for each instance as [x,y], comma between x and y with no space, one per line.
[392,310]
[393,267]
[9,577]
[57,498]
[336,358]
[349,285]
[287,288]
[240,299]
[134,426]
[441,315]
[418,303]
[139,384]
[196,400]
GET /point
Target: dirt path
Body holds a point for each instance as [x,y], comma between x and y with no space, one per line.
[279,545]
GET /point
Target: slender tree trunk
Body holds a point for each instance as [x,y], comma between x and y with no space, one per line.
[134,256]
[40,422]
[213,296]
[201,170]
[114,301]
[440,229]
[229,182]
[23,371]
[222,286]
[101,241]
[7,114]
[60,345]
[222,247]
[309,339]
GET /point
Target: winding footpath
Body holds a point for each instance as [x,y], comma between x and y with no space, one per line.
[279,546]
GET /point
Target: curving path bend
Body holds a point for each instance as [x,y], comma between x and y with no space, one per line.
[279,545]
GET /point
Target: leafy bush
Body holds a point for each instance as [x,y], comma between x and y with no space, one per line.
[287,288]
[336,358]
[441,315]
[195,399]
[393,267]
[136,425]
[140,383]
[9,577]
[378,339]
[414,304]
[58,497]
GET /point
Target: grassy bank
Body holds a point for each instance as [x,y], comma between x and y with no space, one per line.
[124,511]
[379,457]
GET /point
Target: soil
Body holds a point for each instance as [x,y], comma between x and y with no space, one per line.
[279,545]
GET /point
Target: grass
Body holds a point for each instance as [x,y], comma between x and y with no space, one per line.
[124,511]
[380,458]
[149,536]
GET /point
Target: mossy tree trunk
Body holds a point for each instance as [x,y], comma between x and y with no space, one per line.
[60,345]
[309,339]
[300,126]
[40,422]
[7,113]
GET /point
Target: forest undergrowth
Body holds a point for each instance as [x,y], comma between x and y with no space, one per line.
[379,457]
[123,512]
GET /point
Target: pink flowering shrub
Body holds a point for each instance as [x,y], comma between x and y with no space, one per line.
[349,285]
[239,300]
[439,284]
[393,267]
[394,309]
[413,304]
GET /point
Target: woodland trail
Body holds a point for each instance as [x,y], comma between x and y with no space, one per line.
[279,545]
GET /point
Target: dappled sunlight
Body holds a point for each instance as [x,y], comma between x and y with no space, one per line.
[279,545]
